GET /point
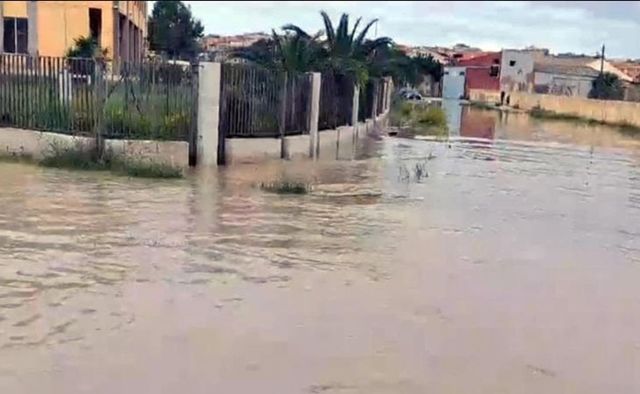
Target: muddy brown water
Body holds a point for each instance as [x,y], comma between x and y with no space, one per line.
[514,267]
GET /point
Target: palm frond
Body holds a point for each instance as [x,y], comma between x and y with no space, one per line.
[363,32]
[328,28]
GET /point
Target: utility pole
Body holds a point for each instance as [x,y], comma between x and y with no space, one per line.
[602,61]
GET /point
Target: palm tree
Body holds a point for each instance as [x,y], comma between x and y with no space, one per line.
[297,53]
[345,51]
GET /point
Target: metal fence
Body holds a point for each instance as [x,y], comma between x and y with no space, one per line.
[154,100]
[365,106]
[257,102]
[47,93]
[80,96]
[336,101]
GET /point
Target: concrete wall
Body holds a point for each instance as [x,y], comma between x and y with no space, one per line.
[453,82]
[36,144]
[334,144]
[562,85]
[484,96]
[600,110]
[211,150]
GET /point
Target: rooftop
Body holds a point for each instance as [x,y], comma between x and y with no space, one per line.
[566,69]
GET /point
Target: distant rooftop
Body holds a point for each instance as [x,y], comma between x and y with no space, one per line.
[566,69]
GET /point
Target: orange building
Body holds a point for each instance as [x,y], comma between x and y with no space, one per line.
[49,28]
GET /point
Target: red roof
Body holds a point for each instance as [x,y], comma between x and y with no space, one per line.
[479,59]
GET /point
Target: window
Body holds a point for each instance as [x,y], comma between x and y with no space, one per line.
[16,35]
[446,73]
[95,23]
[494,71]
[461,73]
[512,63]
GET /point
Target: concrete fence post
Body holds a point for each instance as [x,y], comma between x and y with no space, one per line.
[386,93]
[2,26]
[314,116]
[355,109]
[208,140]
[32,23]
[374,107]
[385,89]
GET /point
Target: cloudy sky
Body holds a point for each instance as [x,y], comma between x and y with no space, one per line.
[580,27]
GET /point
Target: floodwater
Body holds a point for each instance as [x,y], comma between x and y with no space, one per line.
[514,267]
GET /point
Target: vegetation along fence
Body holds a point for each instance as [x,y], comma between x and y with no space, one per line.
[336,101]
[82,96]
[257,102]
[365,106]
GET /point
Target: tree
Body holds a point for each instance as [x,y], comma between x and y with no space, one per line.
[607,86]
[86,47]
[173,30]
[346,50]
[289,52]
[343,50]
[405,70]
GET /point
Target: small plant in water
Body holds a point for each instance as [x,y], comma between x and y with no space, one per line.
[420,171]
[417,173]
[84,157]
[286,187]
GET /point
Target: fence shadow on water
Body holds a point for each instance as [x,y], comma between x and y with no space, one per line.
[79,96]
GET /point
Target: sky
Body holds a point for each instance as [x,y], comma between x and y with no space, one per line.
[578,27]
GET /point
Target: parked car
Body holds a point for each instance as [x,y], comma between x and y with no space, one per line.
[414,96]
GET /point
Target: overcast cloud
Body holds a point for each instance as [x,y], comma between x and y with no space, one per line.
[580,27]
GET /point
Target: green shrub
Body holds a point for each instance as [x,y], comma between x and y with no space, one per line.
[174,126]
[145,169]
[78,157]
[84,157]
[120,122]
[286,187]
[431,116]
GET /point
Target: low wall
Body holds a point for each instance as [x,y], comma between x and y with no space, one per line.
[609,111]
[36,144]
[335,143]
[484,96]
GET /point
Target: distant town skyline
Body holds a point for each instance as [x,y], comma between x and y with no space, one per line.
[578,27]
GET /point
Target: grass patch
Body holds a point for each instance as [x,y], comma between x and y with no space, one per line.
[10,157]
[482,105]
[419,119]
[628,128]
[145,169]
[431,116]
[624,127]
[74,158]
[84,158]
[537,112]
[286,187]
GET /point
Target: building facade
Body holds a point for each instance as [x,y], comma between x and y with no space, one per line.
[516,70]
[49,28]
[483,71]
[564,80]
[453,82]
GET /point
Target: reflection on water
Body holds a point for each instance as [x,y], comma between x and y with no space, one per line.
[514,267]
